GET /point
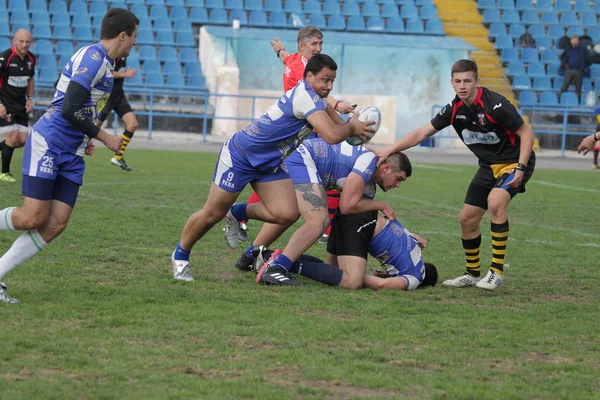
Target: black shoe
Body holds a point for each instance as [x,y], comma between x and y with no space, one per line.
[276,275]
[244,263]
[243,236]
[120,163]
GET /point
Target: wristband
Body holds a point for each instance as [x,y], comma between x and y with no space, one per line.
[595,137]
[29,97]
[279,51]
[336,104]
[520,167]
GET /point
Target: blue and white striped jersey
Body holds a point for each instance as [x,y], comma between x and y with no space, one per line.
[268,140]
[399,253]
[90,67]
[335,162]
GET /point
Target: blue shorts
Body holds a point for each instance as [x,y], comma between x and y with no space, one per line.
[302,167]
[49,172]
[233,171]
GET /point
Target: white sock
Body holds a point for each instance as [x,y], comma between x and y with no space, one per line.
[6,219]
[26,246]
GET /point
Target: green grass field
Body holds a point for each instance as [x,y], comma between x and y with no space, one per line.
[102,318]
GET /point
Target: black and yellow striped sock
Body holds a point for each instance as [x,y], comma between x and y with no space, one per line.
[126,136]
[471,247]
[499,241]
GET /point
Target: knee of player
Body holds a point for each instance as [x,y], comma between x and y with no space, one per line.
[351,283]
[33,221]
[132,125]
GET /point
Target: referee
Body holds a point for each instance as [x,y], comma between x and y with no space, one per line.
[494,131]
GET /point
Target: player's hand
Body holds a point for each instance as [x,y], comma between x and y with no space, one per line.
[89,150]
[28,105]
[382,154]
[381,274]
[113,142]
[2,111]
[130,72]
[422,242]
[517,180]
[277,45]
[389,212]
[586,145]
[344,107]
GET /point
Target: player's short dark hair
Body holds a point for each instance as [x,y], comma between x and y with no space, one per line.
[318,62]
[465,66]
[118,20]
[399,162]
[431,275]
[309,32]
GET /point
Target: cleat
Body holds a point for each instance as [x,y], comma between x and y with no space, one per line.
[244,263]
[120,163]
[4,297]
[232,230]
[594,166]
[491,281]
[323,239]
[462,281]
[261,256]
[244,233]
[272,273]
[181,269]
[7,177]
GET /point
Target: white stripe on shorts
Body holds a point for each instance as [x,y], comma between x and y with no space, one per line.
[310,165]
[38,149]
[224,162]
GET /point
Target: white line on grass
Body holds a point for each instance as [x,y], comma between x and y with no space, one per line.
[511,239]
[428,166]
[561,186]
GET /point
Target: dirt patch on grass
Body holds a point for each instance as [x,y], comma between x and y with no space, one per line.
[45,373]
[547,358]
[415,365]
[344,391]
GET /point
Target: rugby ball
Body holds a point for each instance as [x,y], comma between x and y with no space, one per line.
[366,114]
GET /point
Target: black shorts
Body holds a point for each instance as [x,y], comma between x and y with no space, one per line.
[16,120]
[119,104]
[488,178]
[350,234]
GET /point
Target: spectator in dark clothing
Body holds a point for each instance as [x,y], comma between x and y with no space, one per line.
[575,60]
[526,40]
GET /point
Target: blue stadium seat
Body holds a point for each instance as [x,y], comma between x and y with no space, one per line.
[569,18]
[563,5]
[485,4]
[537,30]
[370,10]
[258,18]
[375,24]
[78,7]
[503,42]
[192,68]
[47,61]
[549,18]
[214,4]
[234,4]
[528,98]
[356,23]
[395,25]
[509,55]
[218,16]
[575,31]
[558,81]
[552,70]
[569,99]
[5,42]
[409,11]
[515,68]
[556,32]
[155,80]
[199,15]
[336,23]
[58,6]
[434,27]
[524,5]
[312,7]
[164,38]
[162,24]
[42,46]
[544,4]
[389,10]
[152,67]
[294,6]
[536,69]
[582,6]
[255,5]
[167,53]
[61,19]
[98,9]
[530,17]
[194,3]
[491,15]
[543,42]
[548,99]
[153,2]
[182,25]
[589,19]
[172,68]
[414,26]
[42,31]
[506,4]
[19,18]
[83,34]
[62,32]
[429,12]
[17,5]
[273,5]
[117,4]
[47,76]
[158,11]
[40,17]
[542,83]
[277,19]
[350,7]
[178,12]
[594,33]
[64,48]
[595,71]
[196,82]
[516,30]
[173,3]
[318,20]
[145,37]
[497,29]
[521,82]
[175,81]
[240,15]
[297,20]
[530,55]
[550,56]
[140,10]
[188,55]
[81,20]
[147,53]
[34,6]
[511,16]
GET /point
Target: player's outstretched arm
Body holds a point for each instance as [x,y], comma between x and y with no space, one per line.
[333,133]
[280,50]
[377,283]
[588,142]
[412,139]
[526,134]
[352,201]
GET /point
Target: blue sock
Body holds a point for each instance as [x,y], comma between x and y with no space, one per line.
[248,252]
[239,212]
[318,271]
[181,254]
[284,261]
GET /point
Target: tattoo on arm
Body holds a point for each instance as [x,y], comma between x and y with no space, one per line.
[318,201]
